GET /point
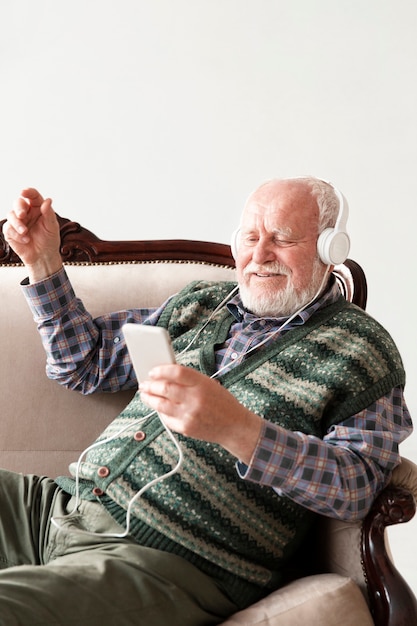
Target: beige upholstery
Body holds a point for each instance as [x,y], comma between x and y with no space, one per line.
[405,475]
[311,601]
[44,427]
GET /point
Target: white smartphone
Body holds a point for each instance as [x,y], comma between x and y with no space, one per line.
[148,346]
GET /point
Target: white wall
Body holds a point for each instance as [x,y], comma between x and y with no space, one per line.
[155,119]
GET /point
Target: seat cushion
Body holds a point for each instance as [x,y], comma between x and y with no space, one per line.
[314,600]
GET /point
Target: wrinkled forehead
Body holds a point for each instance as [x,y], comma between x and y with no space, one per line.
[281,204]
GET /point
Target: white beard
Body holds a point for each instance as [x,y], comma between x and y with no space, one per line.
[285,301]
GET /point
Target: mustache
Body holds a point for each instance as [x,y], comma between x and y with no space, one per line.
[268,268]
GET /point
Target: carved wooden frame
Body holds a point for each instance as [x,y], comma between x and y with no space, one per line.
[392,602]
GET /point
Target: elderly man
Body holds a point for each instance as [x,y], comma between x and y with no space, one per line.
[307,419]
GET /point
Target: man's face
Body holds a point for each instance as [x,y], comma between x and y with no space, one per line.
[277,265]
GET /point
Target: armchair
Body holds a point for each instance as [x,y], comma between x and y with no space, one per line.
[350,576]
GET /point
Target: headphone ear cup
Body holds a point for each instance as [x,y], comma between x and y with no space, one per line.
[234,242]
[333,246]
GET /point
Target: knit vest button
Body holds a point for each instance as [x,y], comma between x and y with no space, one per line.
[103,471]
[139,435]
[97,491]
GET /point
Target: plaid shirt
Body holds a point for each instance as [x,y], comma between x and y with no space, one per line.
[338,475]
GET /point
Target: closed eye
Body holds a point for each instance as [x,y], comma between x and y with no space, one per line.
[285,243]
[252,240]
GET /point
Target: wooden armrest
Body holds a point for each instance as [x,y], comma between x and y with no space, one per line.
[391,600]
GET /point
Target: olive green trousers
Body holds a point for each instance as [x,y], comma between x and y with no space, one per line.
[71,576]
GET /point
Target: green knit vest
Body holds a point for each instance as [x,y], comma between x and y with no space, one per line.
[336,364]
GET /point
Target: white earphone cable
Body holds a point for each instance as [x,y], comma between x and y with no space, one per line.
[176,468]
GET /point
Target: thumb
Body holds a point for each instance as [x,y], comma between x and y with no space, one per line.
[47,211]
[50,219]
[46,207]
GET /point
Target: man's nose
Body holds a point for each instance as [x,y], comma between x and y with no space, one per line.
[264,251]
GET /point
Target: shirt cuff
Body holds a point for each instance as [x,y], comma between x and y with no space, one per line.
[274,457]
[48,297]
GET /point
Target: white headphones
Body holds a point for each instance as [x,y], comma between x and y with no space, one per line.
[333,244]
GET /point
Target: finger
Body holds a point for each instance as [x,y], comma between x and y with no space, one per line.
[8,231]
[174,373]
[27,216]
[48,213]
[21,208]
[161,405]
[23,212]
[162,389]
[32,195]
[13,227]
[12,236]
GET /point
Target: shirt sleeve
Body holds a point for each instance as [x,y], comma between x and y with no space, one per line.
[339,475]
[82,353]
